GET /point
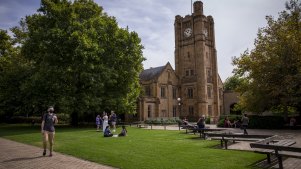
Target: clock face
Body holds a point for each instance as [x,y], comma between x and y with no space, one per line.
[187,32]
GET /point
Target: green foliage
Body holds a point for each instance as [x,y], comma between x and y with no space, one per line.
[13,72]
[233,82]
[207,120]
[162,121]
[80,61]
[266,122]
[257,121]
[273,69]
[22,119]
[140,149]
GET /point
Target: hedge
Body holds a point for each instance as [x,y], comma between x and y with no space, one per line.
[258,122]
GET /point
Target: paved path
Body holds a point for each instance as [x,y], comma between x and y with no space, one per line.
[14,155]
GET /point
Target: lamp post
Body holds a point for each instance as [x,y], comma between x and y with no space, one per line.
[179,104]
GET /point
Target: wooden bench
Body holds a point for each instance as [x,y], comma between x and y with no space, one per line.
[189,127]
[142,125]
[225,137]
[281,148]
[203,131]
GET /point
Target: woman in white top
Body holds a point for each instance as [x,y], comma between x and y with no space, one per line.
[105,121]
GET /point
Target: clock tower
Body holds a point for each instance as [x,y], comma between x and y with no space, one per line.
[200,87]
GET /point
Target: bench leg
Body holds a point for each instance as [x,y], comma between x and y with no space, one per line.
[280,162]
[222,145]
[226,144]
[269,158]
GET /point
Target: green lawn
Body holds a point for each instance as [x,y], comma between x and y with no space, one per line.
[140,149]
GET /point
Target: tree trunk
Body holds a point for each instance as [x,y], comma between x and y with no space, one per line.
[74,119]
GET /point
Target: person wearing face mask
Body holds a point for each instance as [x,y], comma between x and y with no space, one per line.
[47,129]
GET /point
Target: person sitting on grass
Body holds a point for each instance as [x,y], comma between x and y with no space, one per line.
[107,132]
[123,132]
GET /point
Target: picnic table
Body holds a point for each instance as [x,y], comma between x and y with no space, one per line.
[225,137]
[281,148]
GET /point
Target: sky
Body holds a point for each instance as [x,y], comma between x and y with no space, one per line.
[236,24]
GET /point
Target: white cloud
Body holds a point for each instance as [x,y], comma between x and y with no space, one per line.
[236,23]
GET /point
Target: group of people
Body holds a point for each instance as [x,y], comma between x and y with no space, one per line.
[49,119]
[103,121]
[242,123]
[108,133]
[200,122]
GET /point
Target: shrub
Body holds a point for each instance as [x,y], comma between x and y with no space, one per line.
[258,122]
[207,121]
[162,121]
[266,122]
[63,118]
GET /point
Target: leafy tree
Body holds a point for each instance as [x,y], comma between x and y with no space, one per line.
[233,82]
[82,62]
[273,68]
[13,72]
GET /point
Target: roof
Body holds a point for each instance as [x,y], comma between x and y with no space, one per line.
[151,73]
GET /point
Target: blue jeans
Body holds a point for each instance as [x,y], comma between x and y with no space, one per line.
[245,129]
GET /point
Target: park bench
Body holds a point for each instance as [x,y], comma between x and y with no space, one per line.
[280,148]
[191,128]
[142,125]
[225,137]
[203,131]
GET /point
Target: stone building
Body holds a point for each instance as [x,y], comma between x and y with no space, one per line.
[160,92]
[194,88]
[230,100]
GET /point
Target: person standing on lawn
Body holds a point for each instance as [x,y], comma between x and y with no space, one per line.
[47,129]
[113,119]
[98,122]
[105,121]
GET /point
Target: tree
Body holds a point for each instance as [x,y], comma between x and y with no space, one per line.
[13,72]
[82,61]
[273,68]
[233,82]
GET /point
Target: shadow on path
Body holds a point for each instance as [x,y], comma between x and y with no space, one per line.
[22,159]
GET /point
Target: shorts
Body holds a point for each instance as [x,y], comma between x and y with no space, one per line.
[49,132]
[113,123]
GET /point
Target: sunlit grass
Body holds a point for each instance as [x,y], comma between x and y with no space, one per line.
[140,149]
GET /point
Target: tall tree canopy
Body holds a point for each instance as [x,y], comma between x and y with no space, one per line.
[233,82]
[13,72]
[82,62]
[272,69]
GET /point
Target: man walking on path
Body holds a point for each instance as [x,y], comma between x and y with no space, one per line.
[245,123]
